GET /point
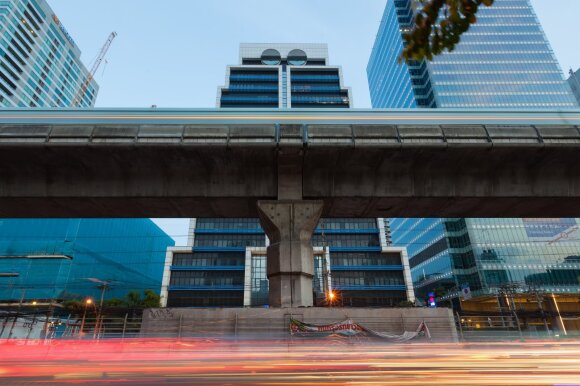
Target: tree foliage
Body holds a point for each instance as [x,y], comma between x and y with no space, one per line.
[438,26]
[132,301]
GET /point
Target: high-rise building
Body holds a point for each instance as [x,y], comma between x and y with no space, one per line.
[574,82]
[486,254]
[40,63]
[284,77]
[503,61]
[58,259]
[225,261]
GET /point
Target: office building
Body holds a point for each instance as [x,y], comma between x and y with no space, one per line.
[574,82]
[486,254]
[224,264]
[503,61]
[47,260]
[284,77]
[40,63]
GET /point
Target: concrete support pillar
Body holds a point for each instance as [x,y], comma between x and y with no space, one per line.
[290,261]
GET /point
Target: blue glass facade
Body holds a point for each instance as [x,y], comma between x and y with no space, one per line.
[390,83]
[53,258]
[446,254]
[428,248]
[39,62]
[503,61]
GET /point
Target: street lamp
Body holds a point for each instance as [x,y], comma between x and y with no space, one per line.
[331,297]
[87,302]
[103,286]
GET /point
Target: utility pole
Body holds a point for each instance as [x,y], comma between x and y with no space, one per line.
[535,292]
[103,286]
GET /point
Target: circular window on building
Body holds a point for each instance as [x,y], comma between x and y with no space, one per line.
[271,57]
[297,58]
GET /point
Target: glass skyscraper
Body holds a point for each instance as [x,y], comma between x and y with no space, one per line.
[574,82]
[484,254]
[40,63]
[225,262]
[503,61]
[53,259]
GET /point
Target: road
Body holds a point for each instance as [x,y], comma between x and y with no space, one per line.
[305,362]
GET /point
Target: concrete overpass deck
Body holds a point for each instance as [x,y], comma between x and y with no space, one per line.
[219,163]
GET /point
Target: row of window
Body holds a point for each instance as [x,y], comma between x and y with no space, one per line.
[347,278]
[208,259]
[227,223]
[207,278]
[364,259]
[254,223]
[233,240]
[259,240]
[346,240]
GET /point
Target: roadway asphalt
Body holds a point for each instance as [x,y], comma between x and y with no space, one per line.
[305,362]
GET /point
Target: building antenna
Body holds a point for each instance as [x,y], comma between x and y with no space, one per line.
[85,85]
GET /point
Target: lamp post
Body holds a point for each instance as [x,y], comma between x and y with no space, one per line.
[103,286]
[87,302]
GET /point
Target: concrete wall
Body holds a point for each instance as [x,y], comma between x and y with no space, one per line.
[274,323]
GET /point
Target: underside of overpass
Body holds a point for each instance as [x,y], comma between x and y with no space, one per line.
[360,163]
[289,168]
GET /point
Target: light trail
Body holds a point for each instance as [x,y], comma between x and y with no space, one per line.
[279,362]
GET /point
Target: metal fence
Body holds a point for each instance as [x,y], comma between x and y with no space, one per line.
[33,326]
[480,328]
[43,327]
[463,328]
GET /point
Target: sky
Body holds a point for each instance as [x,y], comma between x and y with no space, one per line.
[174,53]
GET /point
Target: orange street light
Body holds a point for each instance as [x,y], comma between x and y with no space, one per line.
[87,302]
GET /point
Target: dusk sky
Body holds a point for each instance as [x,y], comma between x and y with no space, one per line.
[174,53]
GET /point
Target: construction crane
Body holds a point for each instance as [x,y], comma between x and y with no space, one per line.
[85,85]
